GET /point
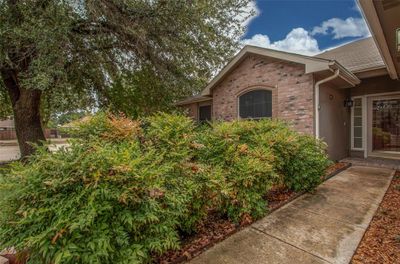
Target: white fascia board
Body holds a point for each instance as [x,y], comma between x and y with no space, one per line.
[371,17]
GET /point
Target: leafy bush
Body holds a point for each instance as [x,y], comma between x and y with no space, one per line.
[107,199]
[299,159]
[125,190]
[105,126]
[304,168]
[173,136]
[248,170]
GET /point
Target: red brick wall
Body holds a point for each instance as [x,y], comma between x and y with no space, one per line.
[292,91]
[7,134]
[191,110]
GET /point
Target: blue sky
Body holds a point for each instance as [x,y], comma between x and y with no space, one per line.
[305,26]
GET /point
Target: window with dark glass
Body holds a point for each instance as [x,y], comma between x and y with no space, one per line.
[255,104]
[205,113]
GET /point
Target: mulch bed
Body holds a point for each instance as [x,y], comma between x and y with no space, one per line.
[216,229]
[381,241]
[335,169]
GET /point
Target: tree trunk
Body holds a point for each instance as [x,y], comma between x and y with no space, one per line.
[26,108]
[28,124]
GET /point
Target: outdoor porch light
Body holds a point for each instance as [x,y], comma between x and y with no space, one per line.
[348,102]
[398,40]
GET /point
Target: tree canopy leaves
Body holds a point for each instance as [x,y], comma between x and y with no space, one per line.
[78,52]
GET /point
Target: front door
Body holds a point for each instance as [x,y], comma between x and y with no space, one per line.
[384,125]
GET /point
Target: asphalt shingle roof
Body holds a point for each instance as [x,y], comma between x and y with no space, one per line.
[356,56]
[193,99]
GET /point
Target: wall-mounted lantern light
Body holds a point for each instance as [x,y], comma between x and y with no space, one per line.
[348,102]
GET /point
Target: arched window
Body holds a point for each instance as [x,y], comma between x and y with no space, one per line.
[255,104]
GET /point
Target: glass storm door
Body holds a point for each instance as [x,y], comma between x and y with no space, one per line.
[386,125]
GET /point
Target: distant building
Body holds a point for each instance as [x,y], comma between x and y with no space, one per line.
[7,124]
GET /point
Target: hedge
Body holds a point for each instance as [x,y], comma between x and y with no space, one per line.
[126,190]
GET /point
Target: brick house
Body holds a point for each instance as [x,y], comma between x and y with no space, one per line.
[7,124]
[348,96]
[7,130]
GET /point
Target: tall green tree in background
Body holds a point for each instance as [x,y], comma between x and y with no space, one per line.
[58,55]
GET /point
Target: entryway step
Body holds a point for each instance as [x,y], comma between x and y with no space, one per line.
[374,162]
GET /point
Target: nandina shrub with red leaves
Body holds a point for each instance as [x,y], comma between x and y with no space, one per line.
[248,170]
[120,193]
[125,190]
[257,154]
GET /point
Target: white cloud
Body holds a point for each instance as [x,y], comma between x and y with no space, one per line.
[248,13]
[259,40]
[356,8]
[301,41]
[351,27]
[251,8]
[298,41]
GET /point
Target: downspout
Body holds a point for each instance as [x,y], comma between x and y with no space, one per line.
[316,99]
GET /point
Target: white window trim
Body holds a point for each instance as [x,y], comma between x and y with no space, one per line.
[366,125]
[363,122]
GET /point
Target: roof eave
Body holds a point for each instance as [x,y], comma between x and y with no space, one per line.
[370,15]
[345,74]
[371,72]
[225,70]
[186,102]
[369,69]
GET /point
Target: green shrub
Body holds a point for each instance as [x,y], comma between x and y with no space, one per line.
[104,125]
[300,159]
[247,168]
[104,200]
[173,137]
[125,190]
[304,169]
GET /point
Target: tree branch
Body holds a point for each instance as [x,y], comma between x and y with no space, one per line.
[11,83]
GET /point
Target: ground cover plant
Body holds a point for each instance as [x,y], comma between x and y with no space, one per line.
[125,191]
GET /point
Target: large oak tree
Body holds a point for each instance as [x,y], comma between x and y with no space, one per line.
[65,54]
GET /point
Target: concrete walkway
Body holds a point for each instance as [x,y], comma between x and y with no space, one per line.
[11,152]
[325,227]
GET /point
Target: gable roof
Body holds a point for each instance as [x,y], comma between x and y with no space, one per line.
[358,56]
[312,64]
[194,99]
